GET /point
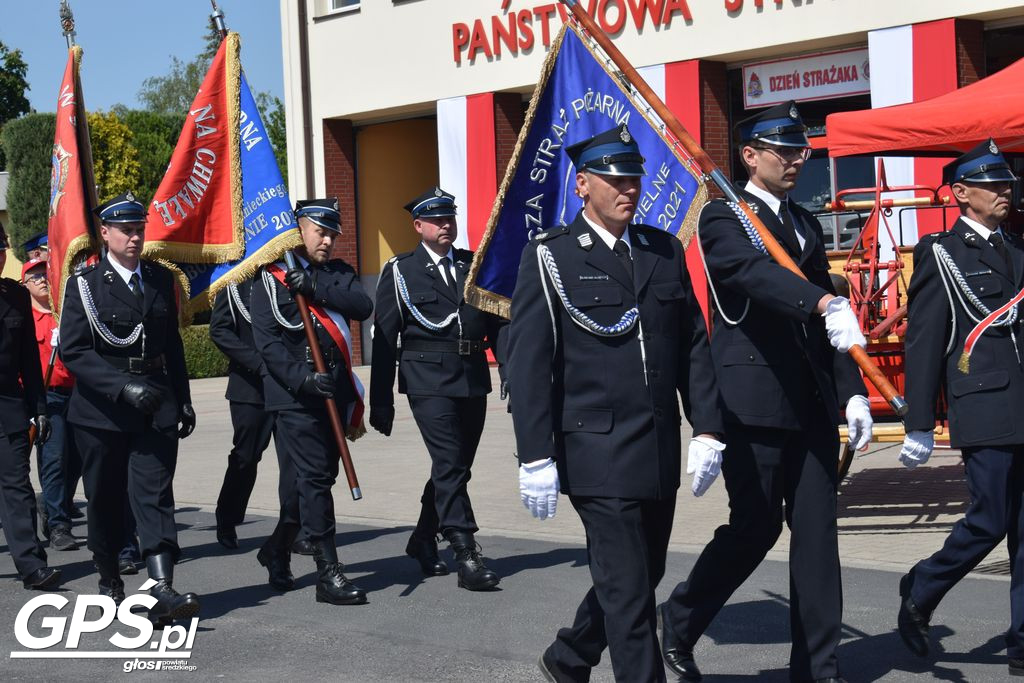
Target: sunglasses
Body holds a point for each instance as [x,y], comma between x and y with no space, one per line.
[36,277]
[787,154]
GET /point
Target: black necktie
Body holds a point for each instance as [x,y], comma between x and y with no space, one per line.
[791,230]
[996,240]
[621,250]
[445,265]
[136,284]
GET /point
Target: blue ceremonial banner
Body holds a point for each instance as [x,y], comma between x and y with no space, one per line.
[576,98]
[269,224]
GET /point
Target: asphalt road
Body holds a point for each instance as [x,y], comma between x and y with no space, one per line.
[418,629]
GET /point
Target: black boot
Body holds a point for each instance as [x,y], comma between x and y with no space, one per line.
[279,567]
[473,574]
[332,585]
[111,584]
[170,604]
[424,551]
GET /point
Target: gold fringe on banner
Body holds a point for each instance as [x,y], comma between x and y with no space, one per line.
[492,302]
[188,252]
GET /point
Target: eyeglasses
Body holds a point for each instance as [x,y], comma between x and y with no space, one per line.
[35,278]
[786,154]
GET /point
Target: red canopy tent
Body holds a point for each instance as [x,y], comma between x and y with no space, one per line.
[946,125]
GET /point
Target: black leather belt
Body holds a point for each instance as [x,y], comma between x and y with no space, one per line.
[463,347]
[135,365]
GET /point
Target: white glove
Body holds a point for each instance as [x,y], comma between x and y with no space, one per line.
[842,325]
[859,422]
[704,462]
[55,337]
[917,448]
[538,487]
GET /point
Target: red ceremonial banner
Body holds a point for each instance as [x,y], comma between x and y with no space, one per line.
[196,213]
[72,226]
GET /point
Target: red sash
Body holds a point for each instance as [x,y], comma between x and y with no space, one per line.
[340,333]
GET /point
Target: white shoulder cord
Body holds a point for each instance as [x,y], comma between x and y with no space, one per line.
[92,314]
[754,238]
[236,298]
[270,284]
[402,294]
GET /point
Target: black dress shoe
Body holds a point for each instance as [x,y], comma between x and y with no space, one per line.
[549,668]
[227,537]
[332,586]
[61,539]
[911,622]
[279,568]
[42,578]
[113,588]
[677,655]
[302,547]
[1016,666]
[474,575]
[126,566]
[424,551]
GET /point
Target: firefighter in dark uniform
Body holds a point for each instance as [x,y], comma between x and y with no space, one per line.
[605,336]
[960,277]
[783,385]
[231,331]
[131,402]
[295,393]
[439,343]
[22,398]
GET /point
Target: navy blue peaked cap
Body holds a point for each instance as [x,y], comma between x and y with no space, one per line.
[434,203]
[123,208]
[778,125]
[35,242]
[983,164]
[323,212]
[613,152]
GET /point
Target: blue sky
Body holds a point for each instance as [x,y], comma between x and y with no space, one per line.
[127,41]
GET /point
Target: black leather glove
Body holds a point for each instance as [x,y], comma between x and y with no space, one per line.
[382,418]
[299,282]
[142,397]
[42,429]
[188,421]
[318,384]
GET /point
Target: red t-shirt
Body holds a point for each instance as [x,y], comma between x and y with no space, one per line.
[44,332]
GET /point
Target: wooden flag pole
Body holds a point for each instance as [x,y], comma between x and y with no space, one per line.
[715,174]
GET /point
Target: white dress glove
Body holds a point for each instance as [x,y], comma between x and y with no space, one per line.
[917,448]
[858,421]
[55,337]
[704,462]
[538,487]
[841,325]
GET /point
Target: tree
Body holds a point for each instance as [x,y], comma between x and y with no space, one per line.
[13,85]
[153,136]
[173,94]
[115,159]
[28,144]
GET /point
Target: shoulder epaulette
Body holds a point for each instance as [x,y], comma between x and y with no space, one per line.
[83,268]
[553,232]
[400,257]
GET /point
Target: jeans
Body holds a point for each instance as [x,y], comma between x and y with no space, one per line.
[51,461]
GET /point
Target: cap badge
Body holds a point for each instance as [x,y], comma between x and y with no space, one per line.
[335,204]
[437,192]
[992,147]
[129,196]
[793,113]
[625,136]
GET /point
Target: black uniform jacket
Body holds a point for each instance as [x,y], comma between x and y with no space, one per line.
[583,398]
[21,379]
[984,404]
[285,353]
[98,383]
[422,371]
[232,334]
[777,363]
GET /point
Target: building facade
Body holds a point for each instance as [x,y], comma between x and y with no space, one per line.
[386,97]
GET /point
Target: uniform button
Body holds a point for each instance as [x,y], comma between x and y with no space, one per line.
[800,303]
[421,355]
[981,289]
[751,357]
[597,298]
[579,423]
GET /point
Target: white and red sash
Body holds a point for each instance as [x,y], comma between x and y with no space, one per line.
[340,333]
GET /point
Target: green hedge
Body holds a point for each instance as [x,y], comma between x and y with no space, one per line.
[202,358]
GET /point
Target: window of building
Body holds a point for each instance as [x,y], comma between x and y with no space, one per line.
[335,5]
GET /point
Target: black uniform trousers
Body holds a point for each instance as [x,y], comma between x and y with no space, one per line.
[995,479]
[142,464]
[253,427]
[765,468]
[451,429]
[309,468]
[18,504]
[627,541]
